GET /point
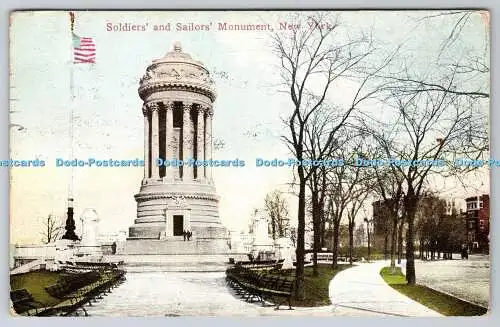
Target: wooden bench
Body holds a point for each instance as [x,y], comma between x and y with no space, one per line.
[22,300]
[250,284]
[70,283]
[269,264]
[277,286]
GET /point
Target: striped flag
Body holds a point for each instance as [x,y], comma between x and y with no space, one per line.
[83,47]
[83,50]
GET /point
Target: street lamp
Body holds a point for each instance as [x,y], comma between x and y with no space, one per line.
[368,231]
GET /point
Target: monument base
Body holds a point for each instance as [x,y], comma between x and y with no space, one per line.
[177,262]
[176,245]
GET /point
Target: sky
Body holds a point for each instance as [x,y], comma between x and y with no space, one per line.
[108,120]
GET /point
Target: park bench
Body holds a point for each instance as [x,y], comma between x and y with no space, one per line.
[250,284]
[22,300]
[268,264]
[57,290]
[70,283]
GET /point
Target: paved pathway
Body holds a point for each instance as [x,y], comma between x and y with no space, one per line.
[192,294]
[363,289]
[357,291]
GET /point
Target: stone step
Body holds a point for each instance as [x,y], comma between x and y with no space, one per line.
[180,262]
[195,246]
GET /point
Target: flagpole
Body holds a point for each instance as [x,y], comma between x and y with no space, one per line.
[71,114]
[71,129]
[70,222]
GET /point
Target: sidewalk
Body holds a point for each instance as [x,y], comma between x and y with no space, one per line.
[362,288]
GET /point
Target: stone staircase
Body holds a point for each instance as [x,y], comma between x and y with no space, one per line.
[176,246]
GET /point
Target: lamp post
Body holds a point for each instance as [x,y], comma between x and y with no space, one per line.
[368,231]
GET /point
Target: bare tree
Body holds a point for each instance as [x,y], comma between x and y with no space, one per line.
[388,185]
[356,203]
[52,230]
[359,236]
[428,126]
[469,72]
[358,182]
[343,189]
[319,127]
[276,208]
[312,58]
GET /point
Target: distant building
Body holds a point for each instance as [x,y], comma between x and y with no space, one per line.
[382,224]
[382,217]
[360,236]
[478,222]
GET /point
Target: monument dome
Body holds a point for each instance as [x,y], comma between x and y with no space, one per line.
[177,70]
[174,198]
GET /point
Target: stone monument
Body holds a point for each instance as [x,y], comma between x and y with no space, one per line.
[89,245]
[262,247]
[178,97]
[284,250]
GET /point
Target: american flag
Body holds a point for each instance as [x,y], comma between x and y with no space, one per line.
[83,50]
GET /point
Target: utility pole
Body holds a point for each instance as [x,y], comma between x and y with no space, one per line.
[368,231]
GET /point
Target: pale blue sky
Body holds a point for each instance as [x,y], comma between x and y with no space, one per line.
[109,122]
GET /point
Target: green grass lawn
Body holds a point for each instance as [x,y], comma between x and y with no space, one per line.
[316,288]
[35,283]
[437,301]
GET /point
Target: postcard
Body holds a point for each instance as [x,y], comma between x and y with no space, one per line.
[249,163]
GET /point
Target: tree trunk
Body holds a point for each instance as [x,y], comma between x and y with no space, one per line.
[386,242]
[273,227]
[301,224]
[393,241]
[411,206]
[316,231]
[336,227]
[323,228]
[400,240]
[351,240]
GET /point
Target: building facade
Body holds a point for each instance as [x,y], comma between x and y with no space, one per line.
[382,225]
[478,222]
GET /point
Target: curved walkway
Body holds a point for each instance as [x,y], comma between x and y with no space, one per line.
[362,288]
[354,292]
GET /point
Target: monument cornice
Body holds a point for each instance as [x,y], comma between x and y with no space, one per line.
[158,86]
[164,195]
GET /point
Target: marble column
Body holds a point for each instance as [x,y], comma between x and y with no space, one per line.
[187,142]
[169,133]
[147,156]
[200,155]
[208,142]
[155,141]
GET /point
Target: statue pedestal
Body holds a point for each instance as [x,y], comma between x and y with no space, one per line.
[284,250]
